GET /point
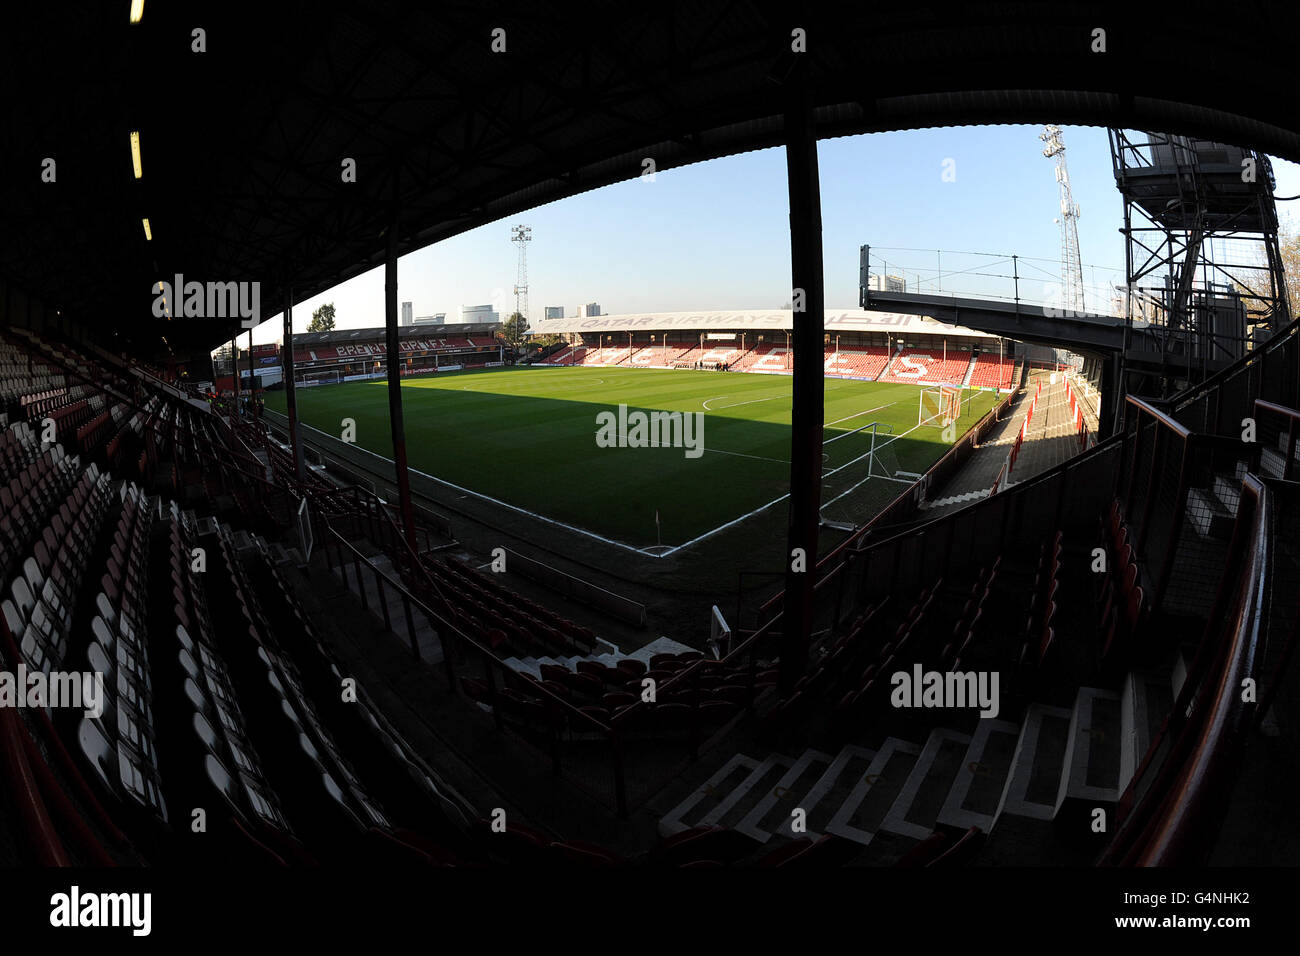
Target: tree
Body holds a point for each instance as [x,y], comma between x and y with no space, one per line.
[322,320]
[1257,283]
[514,330]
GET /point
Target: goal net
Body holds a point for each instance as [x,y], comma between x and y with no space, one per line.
[942,405]
[327,376]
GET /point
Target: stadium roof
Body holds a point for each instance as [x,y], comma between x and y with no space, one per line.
[422,331]
[837,320]
[243,144]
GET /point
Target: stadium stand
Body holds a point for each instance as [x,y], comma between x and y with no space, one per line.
[856,363]
[220,684]
[991,372]
[927,366]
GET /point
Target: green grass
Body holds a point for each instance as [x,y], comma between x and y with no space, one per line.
[527,437]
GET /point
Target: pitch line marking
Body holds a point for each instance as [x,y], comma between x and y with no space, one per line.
[857,415]
[741,454]
[705,403]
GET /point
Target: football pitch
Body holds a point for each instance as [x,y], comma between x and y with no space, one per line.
[528,437]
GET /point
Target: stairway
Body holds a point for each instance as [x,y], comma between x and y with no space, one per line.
[1034,786]
[425,636]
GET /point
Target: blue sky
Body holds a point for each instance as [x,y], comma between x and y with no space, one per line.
[715,235]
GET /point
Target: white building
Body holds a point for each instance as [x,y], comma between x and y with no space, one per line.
[555,311]
[479,314]
[438,318]
[590,310]
[408,311]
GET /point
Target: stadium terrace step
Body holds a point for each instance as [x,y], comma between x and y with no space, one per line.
[1208,515]
[916,810]
[526,665]
[954,499]
[702,801]
[861,814]
[1272,463]
[830,790]
[660,645]
[1228,491]
[279,554]
[1037,766]
[1092,764]
[976,793]
[425,636]
[761,781]
[773,812]
[1144,701]
[1182,664]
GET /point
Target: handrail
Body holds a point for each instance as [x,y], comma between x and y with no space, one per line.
[460,635]
[1200,390]
[1293,428]
[1168,826]
[1277,409]
[822,568]
[1162,417]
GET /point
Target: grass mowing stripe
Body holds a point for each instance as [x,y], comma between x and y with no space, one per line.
[527,437]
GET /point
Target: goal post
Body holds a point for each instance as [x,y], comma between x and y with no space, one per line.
[940,405]
[328,376]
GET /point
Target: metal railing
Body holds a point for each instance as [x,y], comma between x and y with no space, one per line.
[904,506]
[1170,812]
[1276,431]
[1178,490]
[1270,372]
[461,652]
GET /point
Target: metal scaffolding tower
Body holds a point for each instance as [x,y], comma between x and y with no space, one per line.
[522,235]
[1071,265]
[1202,258]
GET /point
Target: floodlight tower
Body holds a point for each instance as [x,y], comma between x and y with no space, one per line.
[1071,266]
[520,236]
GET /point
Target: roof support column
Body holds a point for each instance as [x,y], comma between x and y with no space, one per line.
[807,413]
[393,348]
[251,390]
[234,367]
[290,392]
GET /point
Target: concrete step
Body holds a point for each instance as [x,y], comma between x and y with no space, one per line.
[1208,515]
[425,636]
[860,815]
[1034,780]
[1272,463]
[1228,491]
[1183,658]
[702,801]
[916,810]
[1090,777]
[1145,700]
[761,782]
[526,665]
[829,792]
[773,813]
[976,793]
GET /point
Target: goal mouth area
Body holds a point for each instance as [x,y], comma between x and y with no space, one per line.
[941,405]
